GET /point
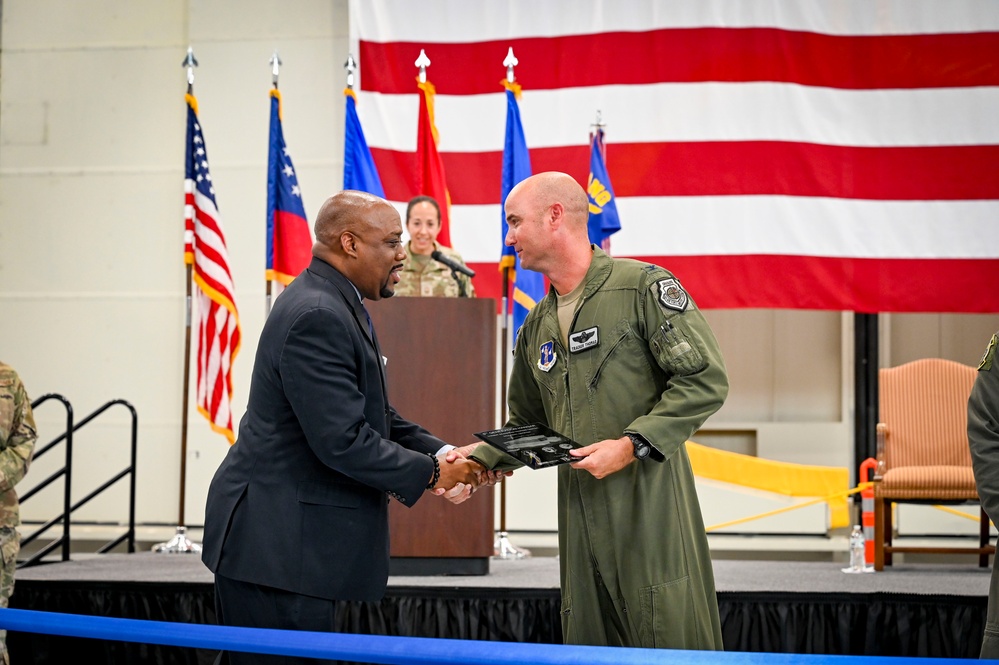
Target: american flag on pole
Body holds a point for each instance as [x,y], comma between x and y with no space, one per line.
[205,249]
[850,148]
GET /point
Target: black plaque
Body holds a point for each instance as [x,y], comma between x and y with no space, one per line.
[537,446]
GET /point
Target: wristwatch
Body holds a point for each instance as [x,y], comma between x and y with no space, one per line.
[642,447]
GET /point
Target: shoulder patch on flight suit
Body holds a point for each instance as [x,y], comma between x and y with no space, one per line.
[672,295]
[990,354]
[547,359]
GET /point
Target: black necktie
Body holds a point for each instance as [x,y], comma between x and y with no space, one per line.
[371,328]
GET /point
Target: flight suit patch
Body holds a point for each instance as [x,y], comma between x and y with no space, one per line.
[584,339]
[547,359]
[672,295]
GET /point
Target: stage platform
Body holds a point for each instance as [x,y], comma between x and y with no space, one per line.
[775,606]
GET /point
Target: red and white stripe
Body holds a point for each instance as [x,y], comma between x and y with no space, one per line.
[217,319]
[839,155]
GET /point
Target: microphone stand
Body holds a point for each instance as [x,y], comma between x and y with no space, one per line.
[462,293]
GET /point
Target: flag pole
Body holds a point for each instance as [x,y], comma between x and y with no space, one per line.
[503,548]
[597,129]
[180,543]
[351,67]
[275,63]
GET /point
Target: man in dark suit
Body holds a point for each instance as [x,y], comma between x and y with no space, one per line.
[297,513]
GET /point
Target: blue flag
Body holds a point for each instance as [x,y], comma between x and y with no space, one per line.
[603,221]
[359,170]
[528,286]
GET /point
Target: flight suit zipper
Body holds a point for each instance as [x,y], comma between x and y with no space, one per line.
[568,382]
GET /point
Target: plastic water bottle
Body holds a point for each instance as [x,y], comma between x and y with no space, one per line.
[857,556]
[857,549]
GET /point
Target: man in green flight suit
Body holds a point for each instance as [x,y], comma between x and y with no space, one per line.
[618,358]
[983,437]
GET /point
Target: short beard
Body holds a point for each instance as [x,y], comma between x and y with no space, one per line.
[386,292]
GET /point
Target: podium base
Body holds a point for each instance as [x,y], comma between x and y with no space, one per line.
[504,549]
[417,566]
[179,544]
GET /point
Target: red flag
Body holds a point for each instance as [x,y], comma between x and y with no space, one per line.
[205,248]
[429,164]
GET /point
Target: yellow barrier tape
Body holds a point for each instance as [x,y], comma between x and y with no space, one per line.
[773,476]
[831,497]
[838,495]
[959,513]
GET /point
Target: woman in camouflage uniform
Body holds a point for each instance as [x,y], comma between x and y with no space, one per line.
[421,274]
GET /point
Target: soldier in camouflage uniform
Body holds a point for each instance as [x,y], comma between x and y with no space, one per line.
[983,436]
[17,442]
[421,274]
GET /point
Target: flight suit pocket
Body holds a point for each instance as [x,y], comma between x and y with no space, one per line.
[606,352]
[674,352]
[668,616]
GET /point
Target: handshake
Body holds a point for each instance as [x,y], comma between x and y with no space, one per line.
[460,476]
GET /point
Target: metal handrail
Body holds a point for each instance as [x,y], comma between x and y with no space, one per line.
[66,472]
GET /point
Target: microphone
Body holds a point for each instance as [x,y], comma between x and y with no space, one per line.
[436,255]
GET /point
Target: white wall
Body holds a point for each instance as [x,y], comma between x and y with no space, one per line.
[92,116]
[91,274]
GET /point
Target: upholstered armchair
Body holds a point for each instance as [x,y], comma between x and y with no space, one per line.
[923,455]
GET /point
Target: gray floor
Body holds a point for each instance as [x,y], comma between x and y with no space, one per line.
[809,577]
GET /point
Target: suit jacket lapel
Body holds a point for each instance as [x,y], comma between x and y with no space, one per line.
[349,293]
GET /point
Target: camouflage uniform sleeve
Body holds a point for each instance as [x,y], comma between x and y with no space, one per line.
[684,347]
[17,429]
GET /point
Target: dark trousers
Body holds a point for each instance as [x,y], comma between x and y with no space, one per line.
[254,606]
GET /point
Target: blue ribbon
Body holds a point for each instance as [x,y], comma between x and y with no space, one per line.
[396,650]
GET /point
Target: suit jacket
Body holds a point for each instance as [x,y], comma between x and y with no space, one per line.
[300,501]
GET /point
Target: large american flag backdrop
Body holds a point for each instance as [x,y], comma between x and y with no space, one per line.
[835,155]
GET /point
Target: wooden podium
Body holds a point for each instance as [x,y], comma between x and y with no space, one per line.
[441,372]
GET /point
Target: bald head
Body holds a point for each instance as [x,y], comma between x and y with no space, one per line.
[553,187]
[344,211]
[546,218]
[360,235]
